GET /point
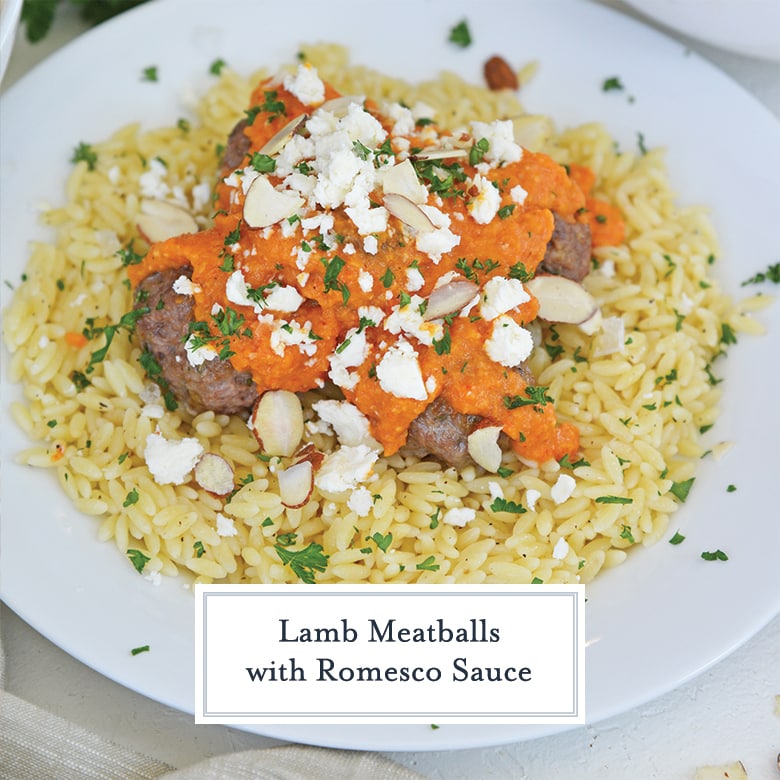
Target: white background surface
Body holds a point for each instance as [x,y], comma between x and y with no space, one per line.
[726,714]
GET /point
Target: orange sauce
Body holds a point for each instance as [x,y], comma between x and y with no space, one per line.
[513,241]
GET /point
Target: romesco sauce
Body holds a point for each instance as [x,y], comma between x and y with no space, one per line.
[343,283]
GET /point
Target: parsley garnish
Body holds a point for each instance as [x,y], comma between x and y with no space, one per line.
[612,84]
[614,500]
[216,67]
[382,542]
[537,396]
[520,272]
[478,150]
[126,322]
[772,274]
[681,489]
[304,563]
[460,35]
[138,559]
[87,153]
[625,533]
[332,270]
[139,650]
[718,555]
[149,74]
[678,538]
[503,505]
[131,498]
[428,564]
[263,163]
[199,549]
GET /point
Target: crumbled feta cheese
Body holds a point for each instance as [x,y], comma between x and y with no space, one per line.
[531,497]
[459,516]
[349,423]
[370,245]
[501,139]
[344,468]
[518,195]
[361,501]
[198,354]
[485,204]
[408,319]
[510,344]
[399,372]
[306,85]
[153,411]
[283,298]
[371,314]
[225,525]
[352,352]
[500,295]
[436,242]
[561,549]
[365,281]
[414,279]
[185,286]
[496,490]
[152,182]
[292,334]
[563,488]
[201,196]
[607,268]
[169,462]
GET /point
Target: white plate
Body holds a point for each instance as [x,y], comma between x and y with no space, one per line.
[661,618]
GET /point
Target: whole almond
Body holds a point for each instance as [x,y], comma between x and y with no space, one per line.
[499,74]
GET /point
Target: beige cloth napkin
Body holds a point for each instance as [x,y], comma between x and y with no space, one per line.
[37,745]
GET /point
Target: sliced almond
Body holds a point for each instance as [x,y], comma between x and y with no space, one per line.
[159,221]
[296,484]
[402,179]
[278,141]
[277,422]
[340,106]
[312,454]
[483,447]
[264,205]
[214,473]
[408,212]
[450,298]
[561,299]
[440,153]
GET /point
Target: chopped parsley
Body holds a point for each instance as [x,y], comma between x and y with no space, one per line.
[138,559]
[681,489]
[333,268]
[131,498]
[429,564]
[139,650]
[614,500]
[612,84]
[717,555]
[216,67]
[536,396]
[772,274]
[304,563]
[86,153]
[199,549]
[504,505]
[460,35]
[678,538]
[150,74]
[126,322]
